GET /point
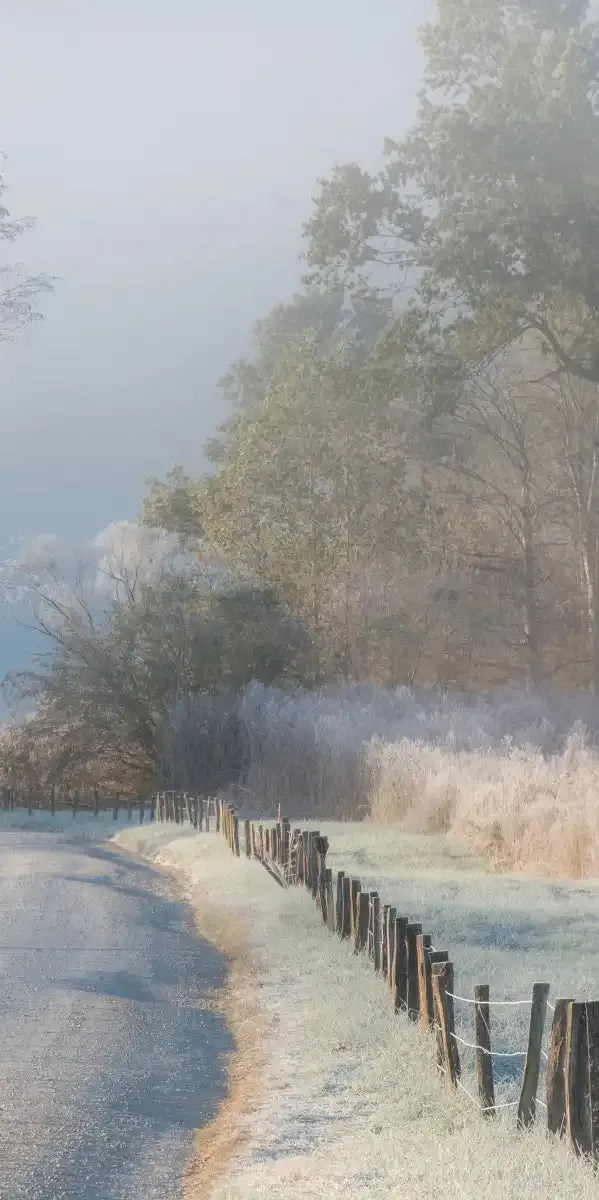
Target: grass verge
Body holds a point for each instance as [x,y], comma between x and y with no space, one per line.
[336,1095]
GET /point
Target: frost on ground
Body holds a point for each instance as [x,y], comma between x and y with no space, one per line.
[349,1102]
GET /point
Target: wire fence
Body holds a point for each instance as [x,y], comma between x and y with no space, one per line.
[553,1065]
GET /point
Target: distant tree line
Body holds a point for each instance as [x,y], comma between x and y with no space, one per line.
[406,485]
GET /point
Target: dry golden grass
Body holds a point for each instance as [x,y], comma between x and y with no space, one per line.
[217,1142]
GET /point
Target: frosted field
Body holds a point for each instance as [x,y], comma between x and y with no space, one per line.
[347,1098]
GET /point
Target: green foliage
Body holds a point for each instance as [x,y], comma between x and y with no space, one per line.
[489,207]
[305,495]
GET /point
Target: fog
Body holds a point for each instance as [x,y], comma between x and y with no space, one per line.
[168,154]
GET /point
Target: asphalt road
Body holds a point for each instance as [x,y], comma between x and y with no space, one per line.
[109,1059]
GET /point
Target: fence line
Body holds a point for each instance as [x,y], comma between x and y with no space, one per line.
[420,981]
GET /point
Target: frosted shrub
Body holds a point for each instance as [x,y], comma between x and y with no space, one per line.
[516,807]
[514,776]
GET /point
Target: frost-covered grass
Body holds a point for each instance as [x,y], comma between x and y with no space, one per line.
[350,1103]
[514,775]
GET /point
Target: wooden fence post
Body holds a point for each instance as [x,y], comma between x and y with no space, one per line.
[574,1076]
[248,840]
[115,811]
[236,836]
[286,828]
[53,801]
[361,942]
[591,1014]
[391,917]
[376,921]
[527,1106]
[413,996]
[355,892]
[339,903]
[305,858]
[385,941]
[328,878]
[129,808]
[400,965]
[447,1051]
[555,1089]
[314,863]
[484,1062]
[371,939]
[423,943]
[426,959]
[322,892]
[346,928]
[582,1077]
[142,808]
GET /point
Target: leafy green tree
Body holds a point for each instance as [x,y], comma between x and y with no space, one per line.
[488,210]
[306,492]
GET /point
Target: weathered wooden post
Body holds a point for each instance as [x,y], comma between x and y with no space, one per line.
[484,1061]
[115,810]
[314,863]
[400,965]
[339,903]
[321,849]
[413,994]
[582,1077]
[355,893]
[346,928]
[391,918]
[447,1052]
[286,827]
[248,839]
[328,876]
[361,940]
[376,921]
[528,1096]
[555,1084]
[385,941]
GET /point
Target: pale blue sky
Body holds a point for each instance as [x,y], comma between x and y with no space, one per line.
[168,151]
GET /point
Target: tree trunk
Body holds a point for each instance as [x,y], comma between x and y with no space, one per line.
[534,667]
